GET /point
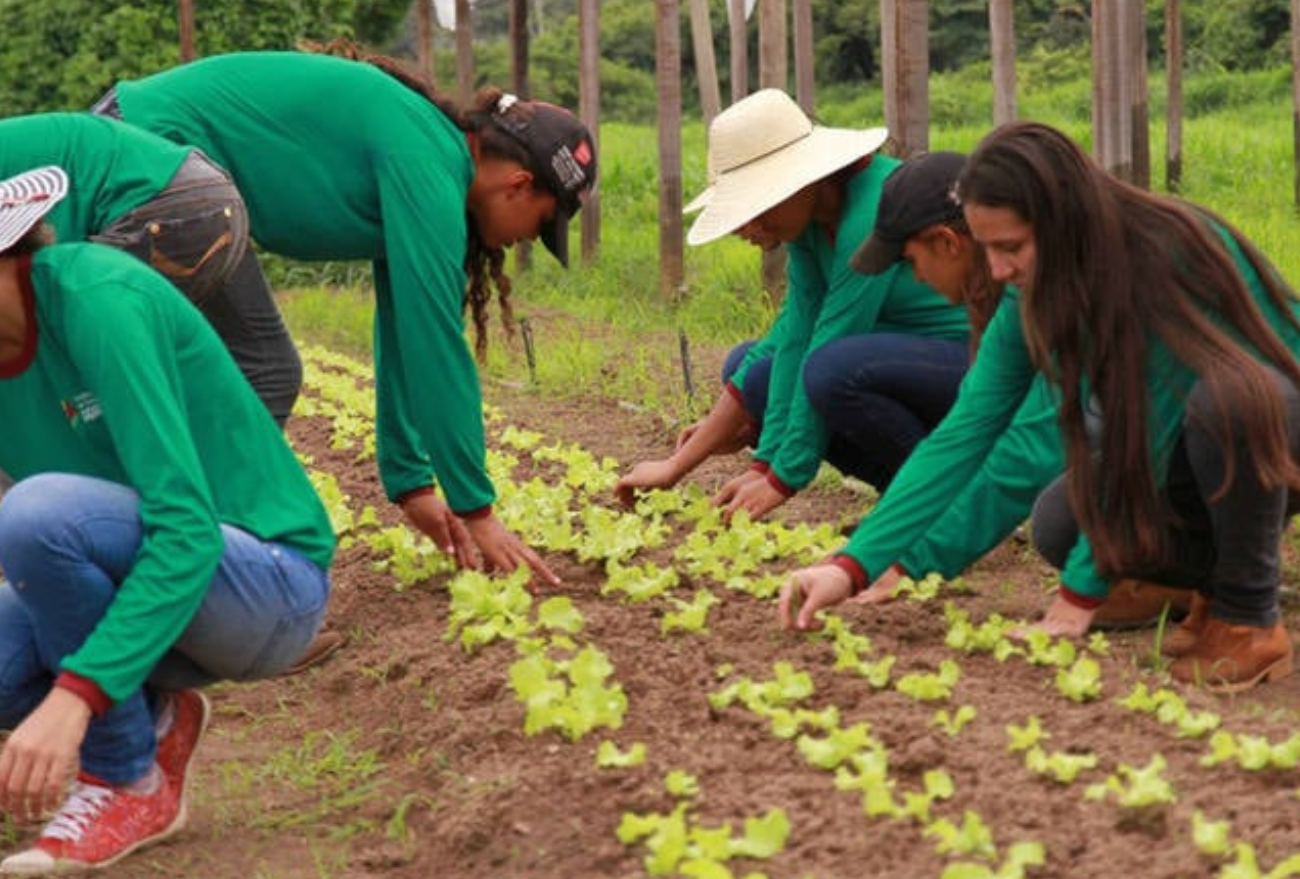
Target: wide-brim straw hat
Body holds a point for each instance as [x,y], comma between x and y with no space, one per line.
[762,150]
[26,198]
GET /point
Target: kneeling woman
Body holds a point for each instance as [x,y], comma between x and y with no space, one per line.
[161,535]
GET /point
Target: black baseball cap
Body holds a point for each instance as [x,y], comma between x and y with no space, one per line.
[563,157]
[920,193]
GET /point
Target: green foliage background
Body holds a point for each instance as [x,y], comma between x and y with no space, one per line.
[62,54]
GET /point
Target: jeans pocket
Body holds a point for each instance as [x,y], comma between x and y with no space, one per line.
[196,252]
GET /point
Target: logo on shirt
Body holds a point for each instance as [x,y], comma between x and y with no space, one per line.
[82,408]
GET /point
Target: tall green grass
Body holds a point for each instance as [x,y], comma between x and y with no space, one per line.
[617,329]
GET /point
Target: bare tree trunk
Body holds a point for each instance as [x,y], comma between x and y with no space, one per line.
[668,81]
[1174,99]
[1111,114]
[1295,89]
[706,67]
[905,42]
[1002,39]
[1139,95]
[424,38]
[185,23]
[804,62]
[464,51]
[519,85]
[589,110]
[773,72]
[739,35]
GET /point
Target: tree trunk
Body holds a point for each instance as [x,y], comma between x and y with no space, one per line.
[1295,90]
[424,39]
[589,111]
[706,67]
[773,72]
[804,61]
[739,37]
[668,81]
[1111,112]
[1174,100]
[464,51]
[1139,95]
[1002,39]
[905,42]
[519,85]
[185,24]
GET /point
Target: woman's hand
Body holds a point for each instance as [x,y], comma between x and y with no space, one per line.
[751,492]
[429,515]
[1063,620]
[502,550]
[883,589]
[41,756]
[809,590]
[644,476]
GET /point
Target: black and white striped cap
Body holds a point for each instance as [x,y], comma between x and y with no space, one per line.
[26,198]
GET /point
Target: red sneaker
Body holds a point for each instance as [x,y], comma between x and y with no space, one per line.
[98,825]
[182,718]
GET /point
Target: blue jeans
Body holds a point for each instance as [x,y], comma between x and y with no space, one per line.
[66,544]
[1226,545]
[196,233]
[878,395]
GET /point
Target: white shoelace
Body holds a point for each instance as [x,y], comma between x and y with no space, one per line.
[83,805]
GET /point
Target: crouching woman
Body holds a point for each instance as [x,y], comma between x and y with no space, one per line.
[160,535]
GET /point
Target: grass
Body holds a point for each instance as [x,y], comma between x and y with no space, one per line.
[610,329]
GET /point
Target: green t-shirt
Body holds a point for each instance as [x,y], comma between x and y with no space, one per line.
[112,167]
[825,300]
[337,160]
[129,383]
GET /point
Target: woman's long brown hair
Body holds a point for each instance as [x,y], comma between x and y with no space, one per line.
[1116,266]
[484,266]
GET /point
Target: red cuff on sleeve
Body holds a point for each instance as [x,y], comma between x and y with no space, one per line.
[1087,602]
[415,492]
[775,481]
[87,689]
[734,392]
[760,467]
[856,572]
[481,513]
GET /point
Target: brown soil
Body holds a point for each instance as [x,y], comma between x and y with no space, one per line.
[404,755]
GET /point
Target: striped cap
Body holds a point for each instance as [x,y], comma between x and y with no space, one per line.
[26,198]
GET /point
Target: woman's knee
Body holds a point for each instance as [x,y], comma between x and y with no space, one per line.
[1053,526]
[31,509]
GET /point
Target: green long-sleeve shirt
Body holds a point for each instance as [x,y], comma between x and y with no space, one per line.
[995,448]
[113,167]
[128,383]
[826,300]
[338,160]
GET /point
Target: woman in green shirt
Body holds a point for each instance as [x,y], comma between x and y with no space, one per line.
[1171,342]
[856,369]
[161,536]
[341,159]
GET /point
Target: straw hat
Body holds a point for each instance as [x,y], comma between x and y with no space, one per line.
[762,150]
[26,198]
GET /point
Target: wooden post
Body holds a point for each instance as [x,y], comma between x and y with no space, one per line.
[1111,113]
[1174,99]
[519,85]
[1139,95]
[804,61]
[905,41]
[589,111]
[773,72]
[1295,90]
[1002,40]
[706,68]
[464,51]
[424,38]
[739,35]
[185,23]
[668,81]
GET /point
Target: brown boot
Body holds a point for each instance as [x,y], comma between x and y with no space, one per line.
[325,643]
[1136,604]
[1229,658]
[1180,641]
